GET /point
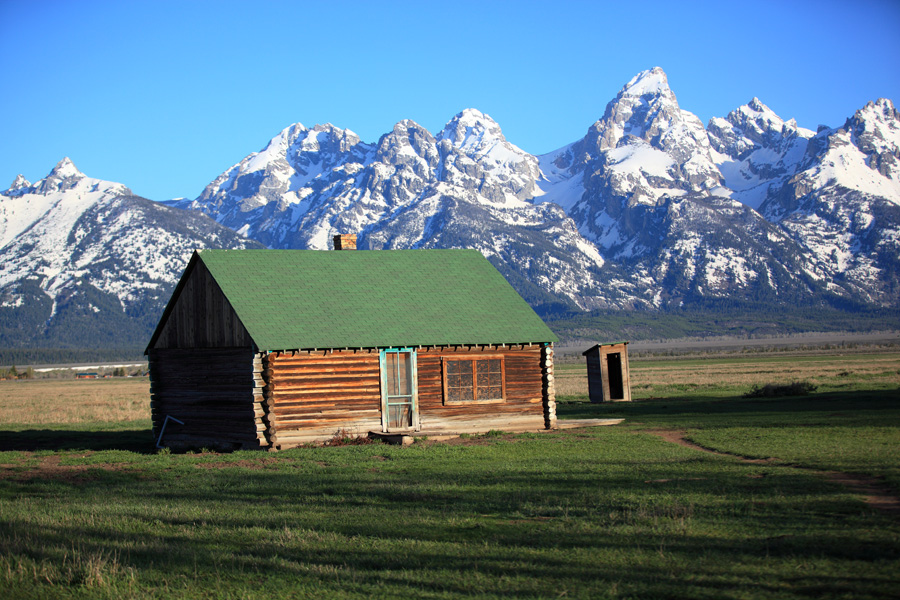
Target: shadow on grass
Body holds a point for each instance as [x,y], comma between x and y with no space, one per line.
[857,408]
[134,440]
[423,527]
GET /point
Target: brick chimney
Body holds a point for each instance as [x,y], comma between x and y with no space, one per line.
[345,241]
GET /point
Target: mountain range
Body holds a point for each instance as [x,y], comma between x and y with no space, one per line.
[649,210]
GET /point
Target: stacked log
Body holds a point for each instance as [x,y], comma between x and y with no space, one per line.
[519,410]
[315,395]
[549,387]
[232,397]
[214,393]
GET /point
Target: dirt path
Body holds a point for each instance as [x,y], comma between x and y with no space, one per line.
[873,492]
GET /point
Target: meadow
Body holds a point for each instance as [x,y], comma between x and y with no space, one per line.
[89,508]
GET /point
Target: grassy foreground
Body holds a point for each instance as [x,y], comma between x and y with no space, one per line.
[610,512]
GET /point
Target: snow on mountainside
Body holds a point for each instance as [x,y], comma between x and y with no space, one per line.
[648,210]
[78,252]
[465,187]
[656,209]
[644,186]
[756,151]
[843,206]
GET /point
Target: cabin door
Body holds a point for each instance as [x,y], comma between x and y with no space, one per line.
[399,393]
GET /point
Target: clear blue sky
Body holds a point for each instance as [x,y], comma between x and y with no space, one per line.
[164,96]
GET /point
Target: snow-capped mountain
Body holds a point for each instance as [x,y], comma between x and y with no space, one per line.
[644,186]
[650,209]
[843,205]
[756,151]
[83,256]
[657,211]
[465,187]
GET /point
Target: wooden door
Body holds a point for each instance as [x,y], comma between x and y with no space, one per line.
[399,391]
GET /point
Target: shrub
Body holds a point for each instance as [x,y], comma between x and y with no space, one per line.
[347,438]
[775,390]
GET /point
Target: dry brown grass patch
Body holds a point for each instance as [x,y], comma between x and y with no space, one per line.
[44,402]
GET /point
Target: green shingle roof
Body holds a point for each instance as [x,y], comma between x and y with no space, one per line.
[386,298]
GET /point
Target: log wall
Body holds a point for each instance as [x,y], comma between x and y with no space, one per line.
[216,393]
[313,396]
[522,410]
[235,398]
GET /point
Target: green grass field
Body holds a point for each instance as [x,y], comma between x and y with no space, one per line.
[89,510]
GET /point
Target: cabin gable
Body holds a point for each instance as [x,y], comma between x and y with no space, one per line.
[200,316]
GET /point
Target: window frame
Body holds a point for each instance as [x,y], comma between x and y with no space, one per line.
[473,358]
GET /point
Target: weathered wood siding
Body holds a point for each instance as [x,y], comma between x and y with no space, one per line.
[598,372]
[313,396]
[523,408]
[202,317]
[217,393]
[595,375]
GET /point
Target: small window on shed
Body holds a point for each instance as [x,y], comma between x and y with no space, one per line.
[474,379]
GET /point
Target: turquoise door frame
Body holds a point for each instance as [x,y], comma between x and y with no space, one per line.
[398,400]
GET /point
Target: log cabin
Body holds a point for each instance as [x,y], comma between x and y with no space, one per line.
[272,349]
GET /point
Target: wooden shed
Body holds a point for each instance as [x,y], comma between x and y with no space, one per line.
[276,348]
[608,377]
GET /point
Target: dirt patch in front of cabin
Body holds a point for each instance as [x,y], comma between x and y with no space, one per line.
[261,463]
[49,468]
[873,491]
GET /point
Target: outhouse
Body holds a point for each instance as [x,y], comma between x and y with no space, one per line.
[607,366]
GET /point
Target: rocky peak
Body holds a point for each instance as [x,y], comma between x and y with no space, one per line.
[328,138]
[19,186]
[652,82]
[408,143]
[65,168]
[645,115]
[472,129]
[643,109]
[65,175]
[875,130]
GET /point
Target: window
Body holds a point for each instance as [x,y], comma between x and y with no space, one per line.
[474,379]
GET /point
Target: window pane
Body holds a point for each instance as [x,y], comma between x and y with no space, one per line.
[399,416]
[404,383]
[495,379]
[465,378]
[482,368]
[390,366]
[490,393]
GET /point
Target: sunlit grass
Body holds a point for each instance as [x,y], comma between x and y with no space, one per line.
[43,402]
[609,512]
[737,375]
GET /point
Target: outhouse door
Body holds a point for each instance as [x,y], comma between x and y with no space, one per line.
[399,393]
